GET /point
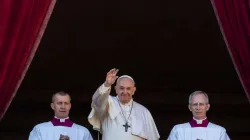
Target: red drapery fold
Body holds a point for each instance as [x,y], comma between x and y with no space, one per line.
[234,20]
[22,25]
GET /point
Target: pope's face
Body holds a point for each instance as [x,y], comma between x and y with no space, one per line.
[125,89]
[199,106]
[61,106]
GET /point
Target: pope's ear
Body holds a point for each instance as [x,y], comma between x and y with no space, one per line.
[115,87]
[134,90]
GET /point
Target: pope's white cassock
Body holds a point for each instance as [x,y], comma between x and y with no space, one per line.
[53,129]
[198,130]
[111,120]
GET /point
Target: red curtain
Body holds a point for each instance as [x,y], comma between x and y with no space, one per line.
[234,20]
[22,24]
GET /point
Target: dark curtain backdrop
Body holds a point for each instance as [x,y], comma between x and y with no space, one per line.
[22,24]
[234,19]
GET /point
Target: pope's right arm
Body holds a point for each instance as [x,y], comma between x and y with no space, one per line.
[101,96]
[100,99]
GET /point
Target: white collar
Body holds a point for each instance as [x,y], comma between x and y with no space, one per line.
[199,121]
[62,120]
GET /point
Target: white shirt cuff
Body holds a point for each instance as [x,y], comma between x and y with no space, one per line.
[103,89]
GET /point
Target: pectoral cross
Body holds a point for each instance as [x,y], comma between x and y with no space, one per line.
[126,126]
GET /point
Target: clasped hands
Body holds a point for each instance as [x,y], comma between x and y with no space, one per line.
[64,137]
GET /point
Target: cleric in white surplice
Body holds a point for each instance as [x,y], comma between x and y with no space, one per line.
[199,128]
[60,127]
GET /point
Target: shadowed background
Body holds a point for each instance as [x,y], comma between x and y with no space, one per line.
[170,48]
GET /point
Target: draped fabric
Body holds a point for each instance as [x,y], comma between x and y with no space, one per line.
[22,25]
[234,19]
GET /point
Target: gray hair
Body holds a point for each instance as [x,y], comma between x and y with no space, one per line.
[198,92]
[61,93]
